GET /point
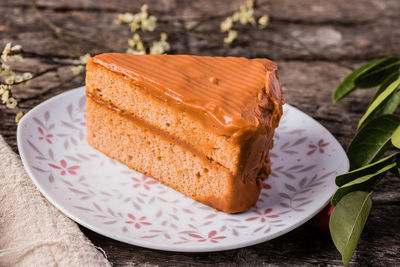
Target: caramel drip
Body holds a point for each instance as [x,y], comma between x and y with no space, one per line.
[220,91]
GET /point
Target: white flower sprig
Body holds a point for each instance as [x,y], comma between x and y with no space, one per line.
[161,46]
[144,22]
[136,46]
[140,20]
[245,15]
[82,63]
[18,117]
[9,77]
[11,54]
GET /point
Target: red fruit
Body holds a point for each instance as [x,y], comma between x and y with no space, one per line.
[322,218]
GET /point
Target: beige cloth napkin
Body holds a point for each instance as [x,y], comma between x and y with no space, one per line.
[32,231]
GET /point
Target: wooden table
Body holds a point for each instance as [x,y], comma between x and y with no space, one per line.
[315,43]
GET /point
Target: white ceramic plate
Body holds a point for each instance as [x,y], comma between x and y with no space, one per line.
[113,200]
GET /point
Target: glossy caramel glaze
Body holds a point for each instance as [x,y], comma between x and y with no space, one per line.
[221,92]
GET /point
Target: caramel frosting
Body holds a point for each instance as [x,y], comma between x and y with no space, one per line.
[238,98]
[221,92]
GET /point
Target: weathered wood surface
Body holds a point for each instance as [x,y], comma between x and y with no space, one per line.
[315,43]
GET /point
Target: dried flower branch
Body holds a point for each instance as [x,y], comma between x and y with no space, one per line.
[65,36]
[140,20]
[263,21]
[144,22]
[232,34]
[161,46]
[18,117]
[11,53]
[136,46]
[77,69]
[9,77]
[245,15]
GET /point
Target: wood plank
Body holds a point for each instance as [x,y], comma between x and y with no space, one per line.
[315,44]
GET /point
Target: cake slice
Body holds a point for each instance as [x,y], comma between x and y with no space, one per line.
[201,125]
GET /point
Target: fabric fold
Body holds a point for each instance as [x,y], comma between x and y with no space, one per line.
[32,231]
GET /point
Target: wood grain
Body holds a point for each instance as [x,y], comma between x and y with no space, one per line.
[315,45]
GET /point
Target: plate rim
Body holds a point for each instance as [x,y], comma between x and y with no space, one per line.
[142,243]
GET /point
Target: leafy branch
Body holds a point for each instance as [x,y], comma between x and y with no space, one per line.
[378,132]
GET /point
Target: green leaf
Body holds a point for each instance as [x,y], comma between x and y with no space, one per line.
[389,80]
[387,106]
[397,170]
[381,98]
[372,140]
[365,183]
[378,73]
[396,137]
[369,169]
[347,222]
[347,85]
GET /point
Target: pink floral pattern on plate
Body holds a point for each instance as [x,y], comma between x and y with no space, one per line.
[113,200]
